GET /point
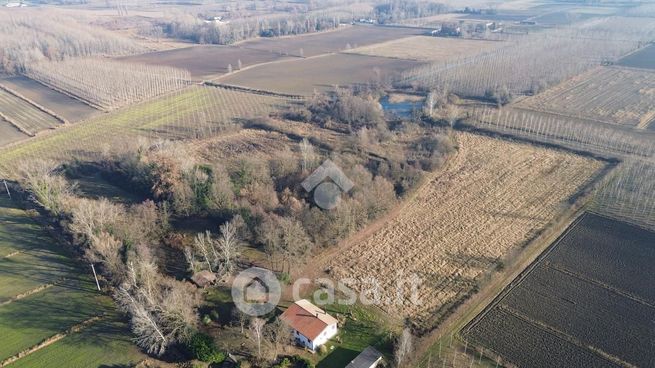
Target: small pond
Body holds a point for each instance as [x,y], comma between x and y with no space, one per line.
[401,107]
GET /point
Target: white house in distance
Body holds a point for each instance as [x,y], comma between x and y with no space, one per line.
[311,326]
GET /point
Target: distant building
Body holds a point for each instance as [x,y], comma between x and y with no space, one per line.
[216,20]
[311,326]
[447,30]
[369,358]
[367,20]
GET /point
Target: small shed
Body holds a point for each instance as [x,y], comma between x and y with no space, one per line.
[203,278]
[369,358]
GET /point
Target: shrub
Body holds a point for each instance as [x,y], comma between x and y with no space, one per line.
[302,362]
[202,347]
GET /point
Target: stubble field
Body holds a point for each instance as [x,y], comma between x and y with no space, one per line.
[426,48]
[205,62]
[332,41]
[494,196]
[613,95]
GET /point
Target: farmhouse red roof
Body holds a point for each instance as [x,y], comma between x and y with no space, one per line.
[307,319]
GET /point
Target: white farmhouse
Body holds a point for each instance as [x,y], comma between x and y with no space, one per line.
[311,326]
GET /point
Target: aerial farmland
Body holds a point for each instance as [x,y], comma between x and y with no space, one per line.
[296,184]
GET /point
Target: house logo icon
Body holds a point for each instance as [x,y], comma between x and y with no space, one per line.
[327,193]
[256,291]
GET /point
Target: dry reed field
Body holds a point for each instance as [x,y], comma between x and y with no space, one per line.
[613,95]
[426,48]
[493,197]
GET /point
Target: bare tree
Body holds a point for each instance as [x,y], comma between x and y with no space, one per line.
[278,334]
[403,348]
[47,188]
[229,245]
[240,317]
[148,333]
[257,331]
[215,255]
[308,155]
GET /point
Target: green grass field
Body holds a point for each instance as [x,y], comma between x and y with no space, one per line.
[41,313]
[26,322]
[105,343]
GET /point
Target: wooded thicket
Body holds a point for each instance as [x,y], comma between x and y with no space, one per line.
[36,36]
[529,64]
[108,84]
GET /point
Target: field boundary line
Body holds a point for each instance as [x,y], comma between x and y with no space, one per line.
[71,95]
[16,125]
[600,284]
[38,106]
[564,336]
[51,340]
[252,90]
[521,106]
[32,292]
[526,271]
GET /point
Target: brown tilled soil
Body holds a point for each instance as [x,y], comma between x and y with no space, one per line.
[304,76]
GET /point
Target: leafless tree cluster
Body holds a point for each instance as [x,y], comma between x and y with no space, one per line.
[403,348]
[162,310]
[216,254]
[577,134]
[344,106]
[120,242]
[27,38]
[528,64]
[198,30]
[629,193]
[396,10]
[46,187]
[108,84]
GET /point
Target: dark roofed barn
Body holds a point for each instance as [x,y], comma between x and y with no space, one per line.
[369,358]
